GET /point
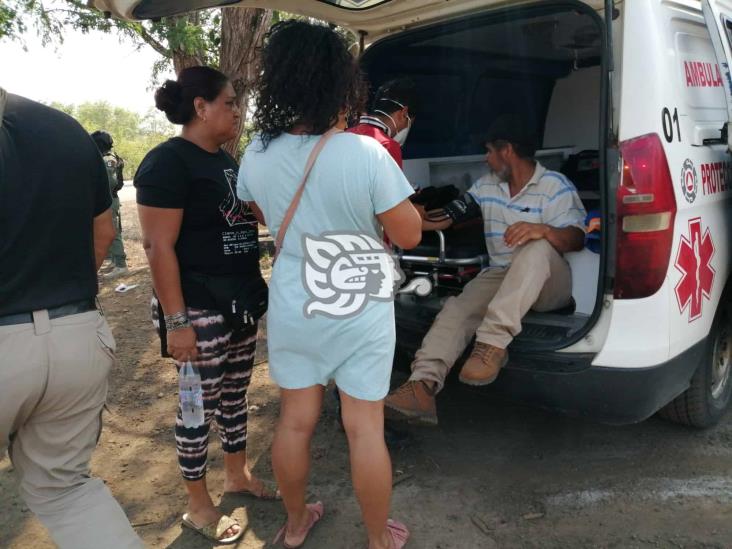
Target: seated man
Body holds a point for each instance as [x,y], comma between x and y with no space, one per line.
[532,216]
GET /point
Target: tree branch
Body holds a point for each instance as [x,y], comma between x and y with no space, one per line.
[153,43]
[129,28]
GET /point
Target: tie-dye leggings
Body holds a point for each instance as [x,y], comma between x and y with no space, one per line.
[225,361]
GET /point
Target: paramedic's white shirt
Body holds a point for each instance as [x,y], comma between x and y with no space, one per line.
[549,198]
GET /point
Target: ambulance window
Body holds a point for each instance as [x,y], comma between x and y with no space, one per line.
[701,81]
[728,28]
[471,70]
[523,94]
[441,106]
[436,131]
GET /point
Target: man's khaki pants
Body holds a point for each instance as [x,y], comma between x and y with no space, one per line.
[53,385]
[491,307]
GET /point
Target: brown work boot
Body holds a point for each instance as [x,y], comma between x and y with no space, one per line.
[414,401]
[484,364]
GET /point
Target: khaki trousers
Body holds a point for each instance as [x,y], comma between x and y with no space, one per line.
[491,307]
[53,385]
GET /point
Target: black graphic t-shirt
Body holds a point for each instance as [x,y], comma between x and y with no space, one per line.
[218,233]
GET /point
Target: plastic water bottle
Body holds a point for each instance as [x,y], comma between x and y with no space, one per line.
[191,395]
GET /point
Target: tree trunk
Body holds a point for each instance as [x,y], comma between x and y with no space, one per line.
[183,55]
[182,60]
[242,34]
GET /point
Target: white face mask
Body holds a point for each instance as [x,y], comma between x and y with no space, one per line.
[401,136]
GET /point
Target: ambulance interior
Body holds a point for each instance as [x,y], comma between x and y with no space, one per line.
[542,62]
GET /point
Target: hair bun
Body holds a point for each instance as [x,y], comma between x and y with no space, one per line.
[176,97]
[168,99]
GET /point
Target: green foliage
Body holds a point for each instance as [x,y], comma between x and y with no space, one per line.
[193,36]
[196,35]
[134,134]
[48,18]
[10,23]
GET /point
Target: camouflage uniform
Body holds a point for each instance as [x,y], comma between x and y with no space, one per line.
[114,171]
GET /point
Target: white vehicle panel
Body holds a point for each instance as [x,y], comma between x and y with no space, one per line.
[678,96]
[700,170]
[639,332]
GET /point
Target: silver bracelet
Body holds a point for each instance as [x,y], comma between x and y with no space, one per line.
[176,321]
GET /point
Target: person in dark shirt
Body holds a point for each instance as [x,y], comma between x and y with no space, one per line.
[202,245]
[56,349]
[115,166]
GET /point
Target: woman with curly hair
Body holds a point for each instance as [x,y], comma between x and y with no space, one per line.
[329,316]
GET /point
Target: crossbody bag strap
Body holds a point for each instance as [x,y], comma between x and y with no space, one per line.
[300,189]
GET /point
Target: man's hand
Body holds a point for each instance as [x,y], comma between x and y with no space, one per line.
[521,233]
[182,344]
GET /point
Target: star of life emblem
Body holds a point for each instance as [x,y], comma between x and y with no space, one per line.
[693,260]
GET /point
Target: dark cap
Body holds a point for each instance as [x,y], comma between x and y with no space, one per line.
[512,128]
[397,94]
[103,140]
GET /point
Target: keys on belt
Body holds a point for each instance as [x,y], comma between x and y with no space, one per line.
[73,308]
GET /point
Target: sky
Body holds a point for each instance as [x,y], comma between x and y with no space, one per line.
[86,67]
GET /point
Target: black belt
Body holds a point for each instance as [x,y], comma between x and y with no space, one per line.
[73,308]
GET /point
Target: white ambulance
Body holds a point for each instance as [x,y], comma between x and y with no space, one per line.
[632,99]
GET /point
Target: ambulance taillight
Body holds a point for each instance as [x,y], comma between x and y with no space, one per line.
[646,208]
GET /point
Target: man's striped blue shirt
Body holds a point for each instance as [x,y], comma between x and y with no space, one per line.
[549,198]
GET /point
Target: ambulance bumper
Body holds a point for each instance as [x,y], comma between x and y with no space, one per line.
[569,384]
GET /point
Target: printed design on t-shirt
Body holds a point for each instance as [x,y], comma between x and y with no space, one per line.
[235,211]
[343,271]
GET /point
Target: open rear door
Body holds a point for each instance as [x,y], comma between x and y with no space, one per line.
[372,18]
[718,15]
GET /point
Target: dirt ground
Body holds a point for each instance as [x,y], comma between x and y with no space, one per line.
[493,474]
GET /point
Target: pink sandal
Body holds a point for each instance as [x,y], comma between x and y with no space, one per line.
[316,511]
[399,533]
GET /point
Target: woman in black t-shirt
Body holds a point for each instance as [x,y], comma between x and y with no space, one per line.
[201,243]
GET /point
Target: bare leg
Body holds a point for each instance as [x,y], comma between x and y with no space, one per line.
[370,465]
[238,477]
[299,412]
[201,509]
